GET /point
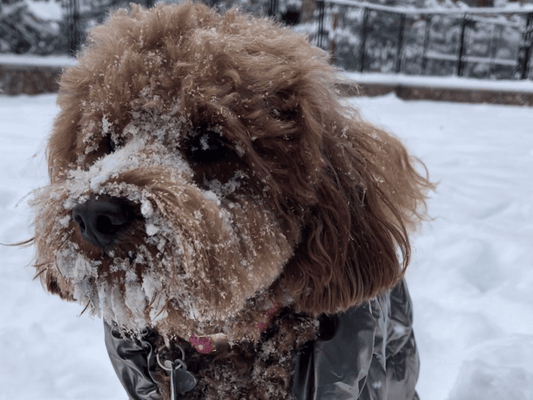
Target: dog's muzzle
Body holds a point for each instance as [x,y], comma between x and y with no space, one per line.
[102,221]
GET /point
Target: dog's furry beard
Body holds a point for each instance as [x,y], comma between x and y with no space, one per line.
[193,259]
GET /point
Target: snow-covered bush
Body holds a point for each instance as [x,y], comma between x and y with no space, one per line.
[28,27]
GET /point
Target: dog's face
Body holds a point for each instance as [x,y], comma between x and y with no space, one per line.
[201,166]
[169,215]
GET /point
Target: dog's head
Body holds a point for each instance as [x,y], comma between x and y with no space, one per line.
[202,165]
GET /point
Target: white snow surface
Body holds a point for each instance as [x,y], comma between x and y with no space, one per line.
[470,278]
[448,82]
[35,60]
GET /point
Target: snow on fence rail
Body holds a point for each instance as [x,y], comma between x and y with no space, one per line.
[500,43]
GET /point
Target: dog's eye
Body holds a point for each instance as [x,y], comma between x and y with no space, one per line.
[205,148]
[110,144]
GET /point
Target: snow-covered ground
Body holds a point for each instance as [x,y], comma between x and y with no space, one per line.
[472,274]
[47,352]
[448,82]
[471,278]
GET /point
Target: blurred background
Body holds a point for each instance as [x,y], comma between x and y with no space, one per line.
[472,38]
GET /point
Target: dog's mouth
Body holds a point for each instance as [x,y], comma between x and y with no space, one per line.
[143,251]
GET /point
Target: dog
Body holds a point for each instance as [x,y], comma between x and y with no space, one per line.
[213,199]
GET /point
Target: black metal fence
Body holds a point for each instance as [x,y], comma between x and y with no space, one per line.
[478,42]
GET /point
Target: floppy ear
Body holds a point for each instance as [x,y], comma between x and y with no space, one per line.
[355,243]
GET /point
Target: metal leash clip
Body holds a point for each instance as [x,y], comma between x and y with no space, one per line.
[181,380]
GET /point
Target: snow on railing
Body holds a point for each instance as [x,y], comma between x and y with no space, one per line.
[435,11]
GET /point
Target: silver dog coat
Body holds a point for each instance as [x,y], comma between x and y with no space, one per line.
[366,353]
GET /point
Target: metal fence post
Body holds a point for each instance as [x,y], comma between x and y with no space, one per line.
[460,63]
[400,44]
[494,41]
[321,7]
[272,10]
[332,42]
[362,48]
[524,51]
[426,44]
[74,34]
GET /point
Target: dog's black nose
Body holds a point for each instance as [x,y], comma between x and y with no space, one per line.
[103,220]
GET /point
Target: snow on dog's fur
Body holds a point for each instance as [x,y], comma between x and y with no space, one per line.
[246,186]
